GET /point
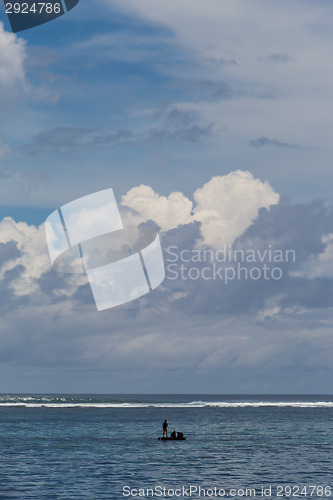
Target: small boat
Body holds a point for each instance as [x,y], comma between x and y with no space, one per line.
[173,437]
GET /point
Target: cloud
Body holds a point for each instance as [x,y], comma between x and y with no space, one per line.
[265,141]
[179,125]
[298,297]
[24,261]
[318,264]
[13,85]
[167,211]
[196,325]
[4,152]
[199,325]
[228,209]
[13,82]
[296,93]
[126,46]
[4,174]
[199,90]
[30,254]
[279,58]
[225,206]
[65,140]
[12,56]
[176,125]
[8,252]
[220,61]
[307,283]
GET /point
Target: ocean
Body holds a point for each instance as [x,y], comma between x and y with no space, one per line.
[106,446]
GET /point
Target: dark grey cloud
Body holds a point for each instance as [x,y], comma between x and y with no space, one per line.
[181,125]
[9,301]
[279,58]
[205,90]
[285,227]
[4,174]
[300,226]
[175,125]
[12,274]
[211,90]
[52,285]
[63,140]
[220,61]
[265,141]
[8,251]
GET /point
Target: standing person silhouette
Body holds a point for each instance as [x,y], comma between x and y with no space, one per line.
[165,428]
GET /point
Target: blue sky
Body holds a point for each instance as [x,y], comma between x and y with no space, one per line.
[169,95]
[124,69]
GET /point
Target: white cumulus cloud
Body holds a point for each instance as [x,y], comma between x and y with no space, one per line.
[12,56]
[32,259]
[167,211]
[228,204]
[33,256]
[225,206]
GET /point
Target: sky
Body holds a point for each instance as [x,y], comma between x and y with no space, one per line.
[210,120]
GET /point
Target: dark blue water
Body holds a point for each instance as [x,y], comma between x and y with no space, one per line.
[76,447]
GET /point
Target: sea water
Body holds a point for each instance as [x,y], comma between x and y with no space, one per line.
[106,447]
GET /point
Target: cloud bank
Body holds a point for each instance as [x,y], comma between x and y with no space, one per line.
[200,326]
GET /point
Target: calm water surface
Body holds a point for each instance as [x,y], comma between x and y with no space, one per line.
[76,447]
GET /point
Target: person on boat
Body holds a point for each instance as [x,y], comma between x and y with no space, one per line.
[173,435]
[165,428]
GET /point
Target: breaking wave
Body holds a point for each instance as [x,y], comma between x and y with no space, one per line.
[93,402]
